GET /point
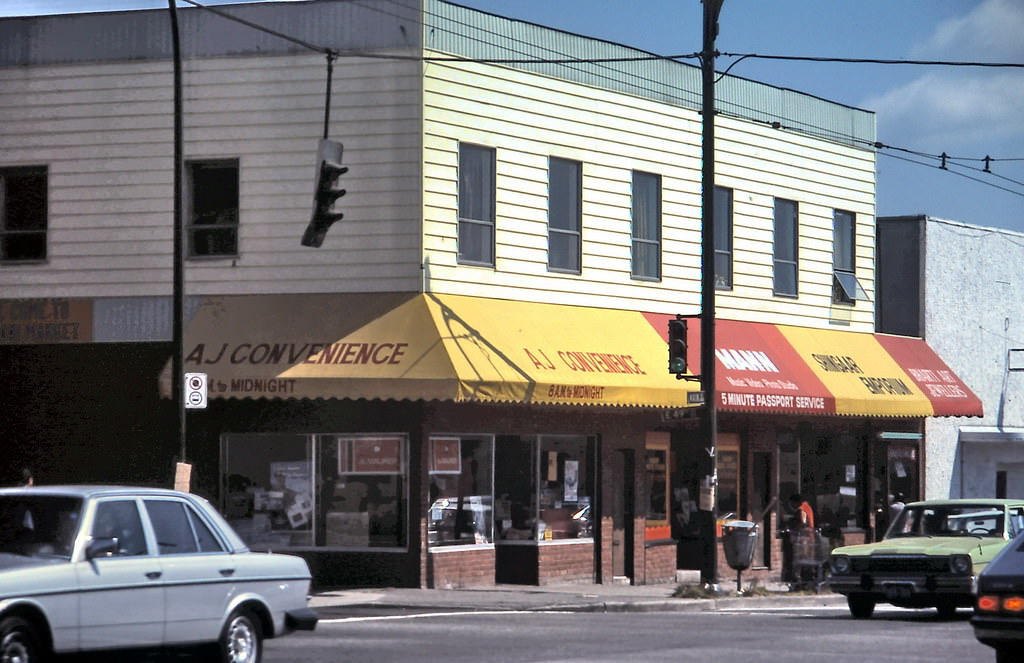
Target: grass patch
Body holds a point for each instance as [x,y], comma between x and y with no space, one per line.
[690,591]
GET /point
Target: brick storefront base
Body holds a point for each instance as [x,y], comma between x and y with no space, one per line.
[565,562]
[461,568]
[659,564]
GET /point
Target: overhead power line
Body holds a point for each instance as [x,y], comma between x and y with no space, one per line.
[566,60]
[930,63]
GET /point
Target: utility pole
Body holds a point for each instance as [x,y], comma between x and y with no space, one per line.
[178,298]
[709,422]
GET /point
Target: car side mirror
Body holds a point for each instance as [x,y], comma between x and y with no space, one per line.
[101,547]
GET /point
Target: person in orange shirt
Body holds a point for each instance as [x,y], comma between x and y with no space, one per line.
[802,511]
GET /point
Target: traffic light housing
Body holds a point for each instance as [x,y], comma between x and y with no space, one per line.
[677,346]
[329,170]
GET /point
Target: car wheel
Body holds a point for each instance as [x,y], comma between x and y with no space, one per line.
[861,606]
[241,641]
[19,642]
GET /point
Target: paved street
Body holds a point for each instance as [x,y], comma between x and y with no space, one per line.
[789,634]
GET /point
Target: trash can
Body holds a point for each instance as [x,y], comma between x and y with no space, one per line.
[738,540]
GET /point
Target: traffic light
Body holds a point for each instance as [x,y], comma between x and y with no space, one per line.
[329,169]
[677,346]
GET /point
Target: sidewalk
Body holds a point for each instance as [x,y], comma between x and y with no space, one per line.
[572,598]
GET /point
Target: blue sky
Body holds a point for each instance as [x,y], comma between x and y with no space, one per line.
[964,112]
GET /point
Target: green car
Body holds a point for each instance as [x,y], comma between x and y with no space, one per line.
[929,557]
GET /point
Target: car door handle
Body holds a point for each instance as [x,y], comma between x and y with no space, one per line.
[227,572]
[153,575]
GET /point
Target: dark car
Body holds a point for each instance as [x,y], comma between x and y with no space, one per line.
[998,619]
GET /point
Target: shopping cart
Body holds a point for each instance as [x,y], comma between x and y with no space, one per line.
[810,556]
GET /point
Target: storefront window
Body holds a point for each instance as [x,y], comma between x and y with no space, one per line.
[543,488]
[656,465]
[461,499]
[565,504]
[728,452]
[269,491]
[366,506]
[316,490]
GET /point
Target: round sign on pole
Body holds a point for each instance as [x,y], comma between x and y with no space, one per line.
[195,390]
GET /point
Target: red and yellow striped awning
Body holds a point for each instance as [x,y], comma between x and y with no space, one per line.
[801,370]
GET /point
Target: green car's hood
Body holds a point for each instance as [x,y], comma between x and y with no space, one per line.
[981,549]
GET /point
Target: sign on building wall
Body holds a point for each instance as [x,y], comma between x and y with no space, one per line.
[35,321]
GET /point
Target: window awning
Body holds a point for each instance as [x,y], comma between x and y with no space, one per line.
[429,347]
[787,369]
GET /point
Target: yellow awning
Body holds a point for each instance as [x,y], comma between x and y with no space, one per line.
[432,347]
[861,375]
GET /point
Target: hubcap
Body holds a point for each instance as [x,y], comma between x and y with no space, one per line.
[13,650]
[241,641]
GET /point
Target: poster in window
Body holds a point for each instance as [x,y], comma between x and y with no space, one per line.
[290,492]
[370,455]
[572,483]
[445,457]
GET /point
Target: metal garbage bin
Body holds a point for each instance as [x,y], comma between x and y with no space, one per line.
[738,540]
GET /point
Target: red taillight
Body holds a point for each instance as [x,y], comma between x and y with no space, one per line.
[1013,604]
[988,603]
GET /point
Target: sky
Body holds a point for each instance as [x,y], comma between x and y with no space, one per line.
[922,111]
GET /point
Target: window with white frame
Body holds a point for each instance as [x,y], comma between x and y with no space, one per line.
[476,204]
[646,226]
[23,214]
[565,186]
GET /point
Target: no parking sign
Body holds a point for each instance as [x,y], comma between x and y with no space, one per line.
[195,390]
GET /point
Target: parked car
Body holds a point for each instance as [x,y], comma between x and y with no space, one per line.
[86,568]
[929,557]
[998,618]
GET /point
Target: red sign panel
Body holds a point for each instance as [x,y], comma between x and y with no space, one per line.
[947,392]
[445,455]
[757,369]
[370,455]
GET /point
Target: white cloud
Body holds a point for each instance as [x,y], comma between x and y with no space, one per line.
[991,32]
[951,108]
[947,107]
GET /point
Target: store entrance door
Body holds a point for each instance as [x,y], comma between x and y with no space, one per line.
[622,513]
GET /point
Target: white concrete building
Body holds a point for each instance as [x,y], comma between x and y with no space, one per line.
[959,286]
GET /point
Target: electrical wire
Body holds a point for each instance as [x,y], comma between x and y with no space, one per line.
[935,63]
[567,60]
[954,172]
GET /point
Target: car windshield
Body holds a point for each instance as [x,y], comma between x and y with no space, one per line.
[38,525]
[939,520]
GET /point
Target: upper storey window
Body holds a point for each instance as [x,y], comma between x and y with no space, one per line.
[476,204]
[646,229]
[23,214]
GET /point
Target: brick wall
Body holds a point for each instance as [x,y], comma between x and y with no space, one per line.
[458,569]
[659,564]
[566,563]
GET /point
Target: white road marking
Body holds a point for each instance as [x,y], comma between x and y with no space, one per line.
[382,618]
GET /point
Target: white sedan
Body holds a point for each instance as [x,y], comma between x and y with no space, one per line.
[88,568]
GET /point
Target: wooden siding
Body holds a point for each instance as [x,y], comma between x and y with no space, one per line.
[530,117]
[105,132]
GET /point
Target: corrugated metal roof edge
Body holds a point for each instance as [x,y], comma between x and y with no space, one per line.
[738,96]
